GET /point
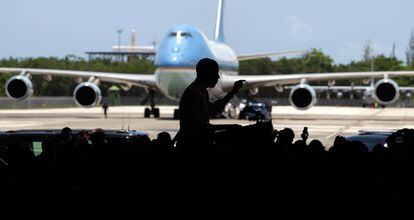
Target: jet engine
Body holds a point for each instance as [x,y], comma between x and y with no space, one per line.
[386,91]
[87,95]
[19,87]
[302,96]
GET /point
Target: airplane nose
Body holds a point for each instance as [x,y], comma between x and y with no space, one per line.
[174,59]
[181,54]
[176,48]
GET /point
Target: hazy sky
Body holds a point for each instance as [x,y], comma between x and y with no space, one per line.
[31,28]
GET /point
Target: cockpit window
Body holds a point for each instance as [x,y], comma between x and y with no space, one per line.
[185,34]
[180,34]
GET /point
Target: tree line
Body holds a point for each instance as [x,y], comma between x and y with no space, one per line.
[314,61]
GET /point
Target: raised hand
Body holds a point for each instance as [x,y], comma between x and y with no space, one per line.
[305,134]
[237,86]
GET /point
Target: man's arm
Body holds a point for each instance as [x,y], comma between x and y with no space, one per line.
[218,106]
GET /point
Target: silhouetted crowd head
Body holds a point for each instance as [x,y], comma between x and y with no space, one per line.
[247,172]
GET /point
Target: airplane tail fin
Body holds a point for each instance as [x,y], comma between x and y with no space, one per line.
[218,30]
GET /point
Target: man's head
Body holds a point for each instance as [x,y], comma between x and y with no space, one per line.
[98,136]
[207,72]
[286,136]
[66,134]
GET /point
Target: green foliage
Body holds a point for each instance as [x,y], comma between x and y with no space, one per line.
[256,67]
[317,62]
[314,61]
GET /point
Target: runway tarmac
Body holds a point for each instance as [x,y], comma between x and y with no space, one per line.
[323,123]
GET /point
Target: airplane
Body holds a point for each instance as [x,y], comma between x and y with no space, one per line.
[175,60]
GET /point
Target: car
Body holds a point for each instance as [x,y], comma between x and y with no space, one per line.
[34,138]
[255,111]
[370,138]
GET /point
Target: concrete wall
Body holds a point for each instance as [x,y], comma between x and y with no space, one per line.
[54,102]
[65,101]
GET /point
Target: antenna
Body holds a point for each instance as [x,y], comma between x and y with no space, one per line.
[119,31]
[129,117]
[123,115]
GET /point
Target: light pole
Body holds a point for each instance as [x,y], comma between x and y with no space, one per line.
[119,39]
[119,43]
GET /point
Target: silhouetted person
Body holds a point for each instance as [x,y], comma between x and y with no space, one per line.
[105,107]
[285,136]
[66,134]
[164,140]
[315,146]
[198,159]
[98,140]
[65,149]
[83,137]
[195,108]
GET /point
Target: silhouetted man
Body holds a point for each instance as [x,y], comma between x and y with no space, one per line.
[197,157]
[195,108]
[105,107]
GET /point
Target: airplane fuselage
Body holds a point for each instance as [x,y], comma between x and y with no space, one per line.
[178,54]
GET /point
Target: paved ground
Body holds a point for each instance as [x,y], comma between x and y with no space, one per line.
[324,123]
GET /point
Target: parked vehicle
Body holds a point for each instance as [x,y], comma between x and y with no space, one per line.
[35,138]
[371,138]
[255,111]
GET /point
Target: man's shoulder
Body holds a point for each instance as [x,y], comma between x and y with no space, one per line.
[192,86]
[193,89]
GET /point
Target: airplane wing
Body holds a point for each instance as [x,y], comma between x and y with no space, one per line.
[141,80]
[289,79]
[340,88]
[351,88]
[263,55]
[336,88]
[407,89]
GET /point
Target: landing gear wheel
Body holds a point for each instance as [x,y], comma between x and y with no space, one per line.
[151,110]
[147,113]
[156,112]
